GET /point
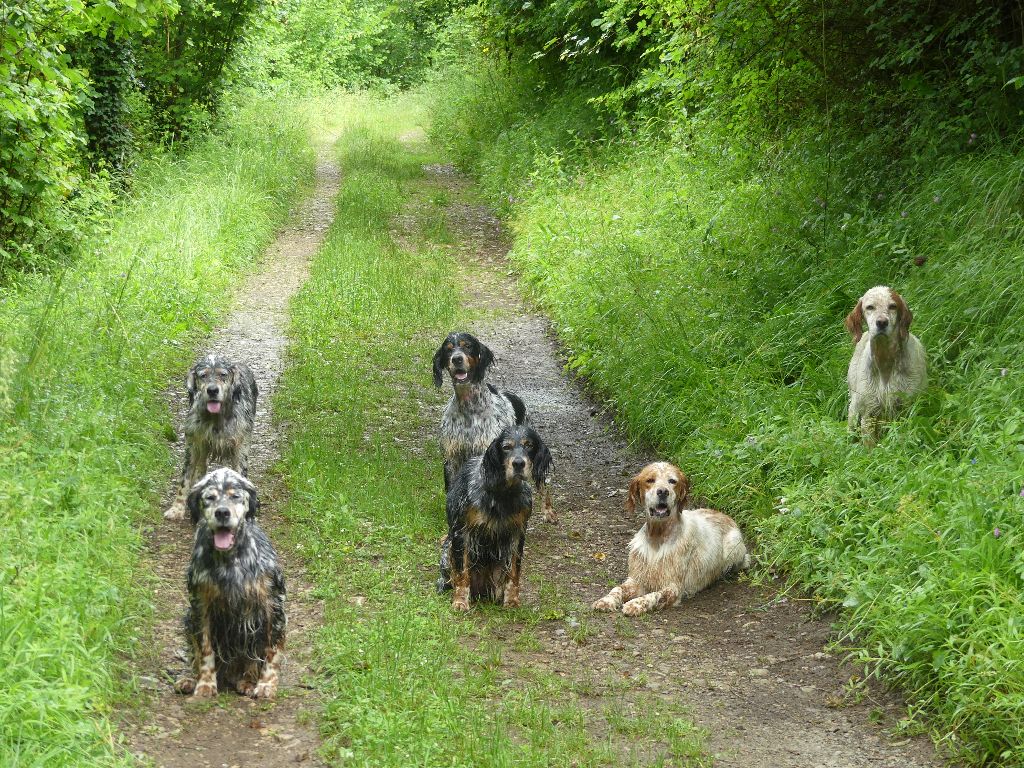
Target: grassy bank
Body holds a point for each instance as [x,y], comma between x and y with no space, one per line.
[406,681]
[702,290]
[84,428]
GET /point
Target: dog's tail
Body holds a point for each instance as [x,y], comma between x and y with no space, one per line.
[518,407]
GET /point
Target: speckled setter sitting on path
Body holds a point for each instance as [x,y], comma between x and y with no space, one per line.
[477,411]
[235,623]
[489,503]
[678,552]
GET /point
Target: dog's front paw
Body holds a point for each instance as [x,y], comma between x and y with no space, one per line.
[185,684]
[205,690]
[606,603]
[634,607]
[175,512]
[511,601]
[460,604]
[265,689]
[246,687]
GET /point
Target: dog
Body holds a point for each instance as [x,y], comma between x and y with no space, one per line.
[235,624]
[889,365]
[488,505]
[477,411]
[222,411]
[678,552]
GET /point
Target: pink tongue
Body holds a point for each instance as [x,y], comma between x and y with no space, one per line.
[213,407]
[224,539]
[460,376]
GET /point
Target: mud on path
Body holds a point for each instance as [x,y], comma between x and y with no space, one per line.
[235,731]
[749,663]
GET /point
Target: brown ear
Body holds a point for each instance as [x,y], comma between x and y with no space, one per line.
[635,494]
[855,322]
[683,492]
[906,316]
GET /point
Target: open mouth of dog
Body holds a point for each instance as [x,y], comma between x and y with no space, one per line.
[213,406]
[224,539]
[460,377]
[661,509]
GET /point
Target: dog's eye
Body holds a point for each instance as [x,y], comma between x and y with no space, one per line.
[892,306]
[210,497]
[870,307]
[508,446]
[528,444]
[221,372]
[235,495]
[650,480]
[672,480]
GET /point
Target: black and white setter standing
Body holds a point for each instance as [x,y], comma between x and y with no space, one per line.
[218,427]
[477,411]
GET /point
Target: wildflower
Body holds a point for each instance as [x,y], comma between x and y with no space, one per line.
[1002,371]
[974,461]
[936,199]
[973,136]
[996,532]
[1022,492]
[903,214]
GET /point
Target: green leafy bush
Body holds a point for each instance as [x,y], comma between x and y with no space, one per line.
[702,290]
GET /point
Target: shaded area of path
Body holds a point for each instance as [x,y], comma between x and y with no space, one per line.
[750,663]
[235,731]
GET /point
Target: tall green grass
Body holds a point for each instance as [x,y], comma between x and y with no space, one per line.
[406,681]
[702,291]
[84,428]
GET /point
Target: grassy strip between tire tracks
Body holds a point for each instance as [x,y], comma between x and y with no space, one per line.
[407,681]
[84,455]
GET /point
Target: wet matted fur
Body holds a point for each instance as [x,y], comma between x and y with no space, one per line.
[889,366]
[477,411]
[218,427]
[678,552]
[235,624]
[488,505]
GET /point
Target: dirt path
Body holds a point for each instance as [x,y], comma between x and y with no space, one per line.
[749,663]
[236,731]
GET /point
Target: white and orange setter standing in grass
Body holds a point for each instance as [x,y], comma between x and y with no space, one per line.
[678,552]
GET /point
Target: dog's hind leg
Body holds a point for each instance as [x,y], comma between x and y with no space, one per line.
[549,511]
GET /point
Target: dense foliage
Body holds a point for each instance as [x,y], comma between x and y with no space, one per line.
[700,192]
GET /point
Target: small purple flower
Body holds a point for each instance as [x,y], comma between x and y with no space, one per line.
[996,532]
[1022,492]
[974,461]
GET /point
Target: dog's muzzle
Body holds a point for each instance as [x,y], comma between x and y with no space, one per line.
[659,510]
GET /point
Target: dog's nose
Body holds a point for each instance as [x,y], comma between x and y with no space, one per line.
[212,390]
[882,323]
[518,464]
[663,493]
[457,359]
[222,514]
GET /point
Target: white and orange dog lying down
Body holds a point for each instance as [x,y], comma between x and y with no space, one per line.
[678,552]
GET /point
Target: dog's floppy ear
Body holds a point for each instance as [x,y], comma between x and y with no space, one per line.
[855,321]
[683,491]
[542,462]
[494,456]
[237,388]
[190,385]
[906,316]
[254,501]
[439,361]
[635,495]
[483,363]
[192,503]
